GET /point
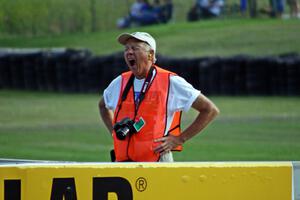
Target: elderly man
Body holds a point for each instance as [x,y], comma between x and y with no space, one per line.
[141,108]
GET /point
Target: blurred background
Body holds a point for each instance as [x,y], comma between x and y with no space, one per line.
[57,56]
[53,17]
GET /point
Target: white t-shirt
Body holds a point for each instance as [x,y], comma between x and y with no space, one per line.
[181,95]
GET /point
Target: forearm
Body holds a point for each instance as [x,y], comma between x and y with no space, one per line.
[201,121]
[207,112]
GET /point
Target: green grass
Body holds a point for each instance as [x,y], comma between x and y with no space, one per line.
[51,126]
[225,37]
[54,126]
[54,17]
[251,128]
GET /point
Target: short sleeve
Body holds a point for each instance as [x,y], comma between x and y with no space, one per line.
[181,94]
[111,93]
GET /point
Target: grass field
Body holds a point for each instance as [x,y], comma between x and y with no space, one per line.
[225,37]
[55,17]
[54,126]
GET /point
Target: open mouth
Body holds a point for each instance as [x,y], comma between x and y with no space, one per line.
[131,62]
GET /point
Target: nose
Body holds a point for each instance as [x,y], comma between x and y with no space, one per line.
[128,54]
[129,50]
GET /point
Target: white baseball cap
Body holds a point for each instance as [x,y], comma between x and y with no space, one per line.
[142,36]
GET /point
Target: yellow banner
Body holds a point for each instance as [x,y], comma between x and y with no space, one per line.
[143,181]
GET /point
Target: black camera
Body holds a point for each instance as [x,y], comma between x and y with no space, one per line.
[124,127]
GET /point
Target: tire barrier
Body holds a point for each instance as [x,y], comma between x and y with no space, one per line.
[78,70]
[126,181]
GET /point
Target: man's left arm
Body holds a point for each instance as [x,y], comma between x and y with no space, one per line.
[207,112]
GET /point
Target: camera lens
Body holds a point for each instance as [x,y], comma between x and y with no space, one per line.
[122,133]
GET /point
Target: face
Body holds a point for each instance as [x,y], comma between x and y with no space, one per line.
[136,55]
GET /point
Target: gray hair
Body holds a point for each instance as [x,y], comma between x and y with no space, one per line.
[150,48]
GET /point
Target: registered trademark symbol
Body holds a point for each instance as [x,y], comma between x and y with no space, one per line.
[141,184]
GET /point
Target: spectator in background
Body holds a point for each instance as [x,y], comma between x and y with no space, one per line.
[164,10]
[142,13]
[277,8]
[294,8]
[205,9]
[251,4]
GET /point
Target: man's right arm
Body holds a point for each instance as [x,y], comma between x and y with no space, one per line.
[109,102]
[106,115]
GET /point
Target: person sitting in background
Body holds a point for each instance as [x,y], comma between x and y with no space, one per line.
[141,14]
[277,8]
[205,9]
[166,11]
[144,15]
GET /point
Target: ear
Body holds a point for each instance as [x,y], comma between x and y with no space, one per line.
[151,54]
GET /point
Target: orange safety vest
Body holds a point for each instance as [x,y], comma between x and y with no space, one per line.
[153,109]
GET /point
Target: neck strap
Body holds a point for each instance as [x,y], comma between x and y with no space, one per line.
[141,97]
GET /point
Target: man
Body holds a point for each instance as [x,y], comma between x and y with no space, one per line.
[149,101]
[277,8]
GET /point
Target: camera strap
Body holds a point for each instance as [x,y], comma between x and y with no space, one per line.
[124,94]
[141,96]
[145,88]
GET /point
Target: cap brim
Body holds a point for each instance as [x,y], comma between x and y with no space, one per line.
[124,37]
